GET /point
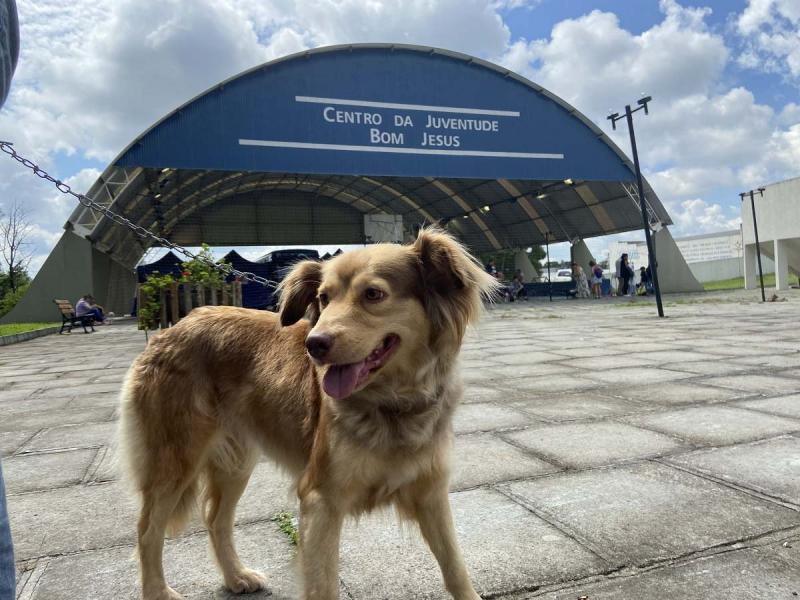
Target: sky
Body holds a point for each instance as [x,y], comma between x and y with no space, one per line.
[724,76]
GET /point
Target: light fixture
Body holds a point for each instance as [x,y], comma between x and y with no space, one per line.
[486,209]
[541,196]
[465,217]
[568,181]
[158,196]
[165,170]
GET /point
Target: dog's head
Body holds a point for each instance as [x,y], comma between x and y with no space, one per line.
[384,310]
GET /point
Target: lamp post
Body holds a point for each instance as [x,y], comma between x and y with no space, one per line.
[652,263]
[755,233]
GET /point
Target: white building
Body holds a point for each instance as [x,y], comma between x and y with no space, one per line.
[710,256]
[778,221]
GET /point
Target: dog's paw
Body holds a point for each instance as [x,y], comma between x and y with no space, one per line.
[246,581]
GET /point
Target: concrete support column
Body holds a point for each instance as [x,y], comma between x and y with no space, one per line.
[781,265]
[523,263]
[750,266]
[581,254]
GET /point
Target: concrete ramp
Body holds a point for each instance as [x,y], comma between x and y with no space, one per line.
[674,275]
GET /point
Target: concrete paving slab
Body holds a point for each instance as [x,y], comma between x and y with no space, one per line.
[104,400]
[479,459]
[86,435]
[669,356]
[717,425]
[771,467]
[529,371]
[31,472]
[553,384]
[188,566]
[783,406]
[753,574]
[635,375]
[676,393]
[53,418]
[72,519]
[586,404]
[716,367]
[610,362]
[505,548]
[644,512]
[583,445]
[768,385]
[13,408]
[11,441]
[527,356]
[482,393]
[485,416]
[771,361]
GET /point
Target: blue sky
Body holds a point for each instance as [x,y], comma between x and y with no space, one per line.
[724,75]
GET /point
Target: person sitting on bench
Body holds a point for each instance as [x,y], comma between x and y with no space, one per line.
[87,307]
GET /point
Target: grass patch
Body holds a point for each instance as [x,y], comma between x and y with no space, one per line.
[286,523]
[12,328]
[737,283]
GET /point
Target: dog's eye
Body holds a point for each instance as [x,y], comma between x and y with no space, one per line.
[374,295]
[323,300]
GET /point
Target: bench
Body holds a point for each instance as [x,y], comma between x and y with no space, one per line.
[70,320]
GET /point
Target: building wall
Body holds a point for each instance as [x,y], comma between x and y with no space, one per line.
[777,213]
[726,268]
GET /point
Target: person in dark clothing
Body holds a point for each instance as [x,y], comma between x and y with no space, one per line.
[626,274]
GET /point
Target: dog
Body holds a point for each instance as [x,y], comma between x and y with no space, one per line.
[350,387]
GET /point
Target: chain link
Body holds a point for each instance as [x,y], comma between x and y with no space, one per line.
[64,188]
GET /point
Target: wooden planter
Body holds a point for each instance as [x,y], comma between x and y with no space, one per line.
[180,298]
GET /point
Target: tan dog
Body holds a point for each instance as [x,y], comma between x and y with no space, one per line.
[357,402]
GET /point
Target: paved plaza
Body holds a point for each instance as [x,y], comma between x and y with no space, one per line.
[600,453]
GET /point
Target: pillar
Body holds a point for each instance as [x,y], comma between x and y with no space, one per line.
[750,267]
[781,265]
[523,263]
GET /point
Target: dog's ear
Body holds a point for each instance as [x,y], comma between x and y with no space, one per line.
[298,292]
[454,283]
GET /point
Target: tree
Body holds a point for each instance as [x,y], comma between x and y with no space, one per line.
[15,230]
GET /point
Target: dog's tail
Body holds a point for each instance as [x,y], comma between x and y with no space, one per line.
[150,473]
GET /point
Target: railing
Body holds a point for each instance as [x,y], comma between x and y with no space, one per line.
[179,299]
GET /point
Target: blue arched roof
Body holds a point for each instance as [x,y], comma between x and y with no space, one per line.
[381,110]
[295,150]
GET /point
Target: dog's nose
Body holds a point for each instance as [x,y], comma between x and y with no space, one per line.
[319,344]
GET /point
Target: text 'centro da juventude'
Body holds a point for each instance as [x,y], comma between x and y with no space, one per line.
[407,128]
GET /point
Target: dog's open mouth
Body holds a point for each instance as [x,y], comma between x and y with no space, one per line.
[341,380]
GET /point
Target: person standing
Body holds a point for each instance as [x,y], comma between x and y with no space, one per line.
[581,284]
[597,278]
[626,275]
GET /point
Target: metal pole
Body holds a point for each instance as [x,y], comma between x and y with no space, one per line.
[758,246]
[549,272]
[650,251]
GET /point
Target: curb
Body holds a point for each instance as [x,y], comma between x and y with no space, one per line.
[7,340]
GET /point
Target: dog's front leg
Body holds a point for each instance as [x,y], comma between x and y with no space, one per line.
[320,528]
[431,508]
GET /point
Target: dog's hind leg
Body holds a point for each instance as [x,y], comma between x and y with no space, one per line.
[157,510]
[224,486]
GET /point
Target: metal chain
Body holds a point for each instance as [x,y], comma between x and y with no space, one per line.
[64,188]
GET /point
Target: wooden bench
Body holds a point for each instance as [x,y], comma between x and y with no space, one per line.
[542,288]
[69,319]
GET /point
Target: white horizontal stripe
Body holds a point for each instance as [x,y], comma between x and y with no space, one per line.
[396,150]
[448,109]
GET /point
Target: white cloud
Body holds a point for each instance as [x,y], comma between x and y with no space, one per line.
[770,30]
[94,75]
[698,216]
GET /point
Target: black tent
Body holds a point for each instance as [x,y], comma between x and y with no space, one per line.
[254,295]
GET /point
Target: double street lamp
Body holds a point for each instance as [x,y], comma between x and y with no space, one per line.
[651,255]
[755,232]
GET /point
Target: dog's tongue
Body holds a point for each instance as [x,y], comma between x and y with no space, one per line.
[340,380]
